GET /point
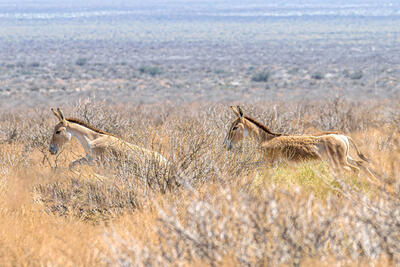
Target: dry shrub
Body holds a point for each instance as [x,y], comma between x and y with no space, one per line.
[207,205]
[273,228]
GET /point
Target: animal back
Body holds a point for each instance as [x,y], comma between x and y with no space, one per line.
[292,148]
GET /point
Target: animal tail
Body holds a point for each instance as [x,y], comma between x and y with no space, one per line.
[359,154]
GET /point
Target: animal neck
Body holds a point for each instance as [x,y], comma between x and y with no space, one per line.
[257,132]
[83,134]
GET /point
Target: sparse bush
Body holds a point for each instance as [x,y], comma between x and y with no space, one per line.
[219,71]
[81,61]
[151,70]
[10,128]
[261,77]
[34,64]
[88,199]
[356,75]
[317,75]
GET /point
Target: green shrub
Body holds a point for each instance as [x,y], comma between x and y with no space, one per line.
[81,61]
[151,70]
[219,71]
[260,77]
[317,76]
[34,64]
[356,75]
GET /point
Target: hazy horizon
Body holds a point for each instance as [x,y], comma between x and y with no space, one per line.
[24,9]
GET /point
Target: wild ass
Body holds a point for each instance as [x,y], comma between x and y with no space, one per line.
[331,146]
[95,142]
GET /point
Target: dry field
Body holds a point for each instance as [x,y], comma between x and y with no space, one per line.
[220,208]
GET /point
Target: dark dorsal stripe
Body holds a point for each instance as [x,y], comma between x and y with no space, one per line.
[84,124]
[261,126]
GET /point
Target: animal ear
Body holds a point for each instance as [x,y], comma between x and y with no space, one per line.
[237,110]
[240,111]
[61,114]
[64,121]
[57,114]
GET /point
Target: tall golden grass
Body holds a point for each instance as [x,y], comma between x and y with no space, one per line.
[220,209]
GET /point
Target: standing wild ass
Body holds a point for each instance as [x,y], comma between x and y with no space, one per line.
[96,143]
[330,146]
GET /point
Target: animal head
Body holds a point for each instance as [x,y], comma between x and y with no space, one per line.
[60,133]
[237,130]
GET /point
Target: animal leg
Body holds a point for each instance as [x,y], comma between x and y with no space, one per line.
[359,154]
[372,178]
[350,167]
[332,156]
[85,160]
[343,160]
[353,161]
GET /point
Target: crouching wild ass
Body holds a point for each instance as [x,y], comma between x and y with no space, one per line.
[96,143]
[330,146]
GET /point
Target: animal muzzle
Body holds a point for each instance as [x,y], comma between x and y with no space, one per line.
[53,149]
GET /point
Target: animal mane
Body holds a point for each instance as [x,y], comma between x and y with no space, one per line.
[261,126]
[84,124]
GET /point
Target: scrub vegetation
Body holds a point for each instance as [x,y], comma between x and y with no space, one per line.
[227,209]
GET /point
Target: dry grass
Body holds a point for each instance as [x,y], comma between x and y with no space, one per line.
[211,207]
